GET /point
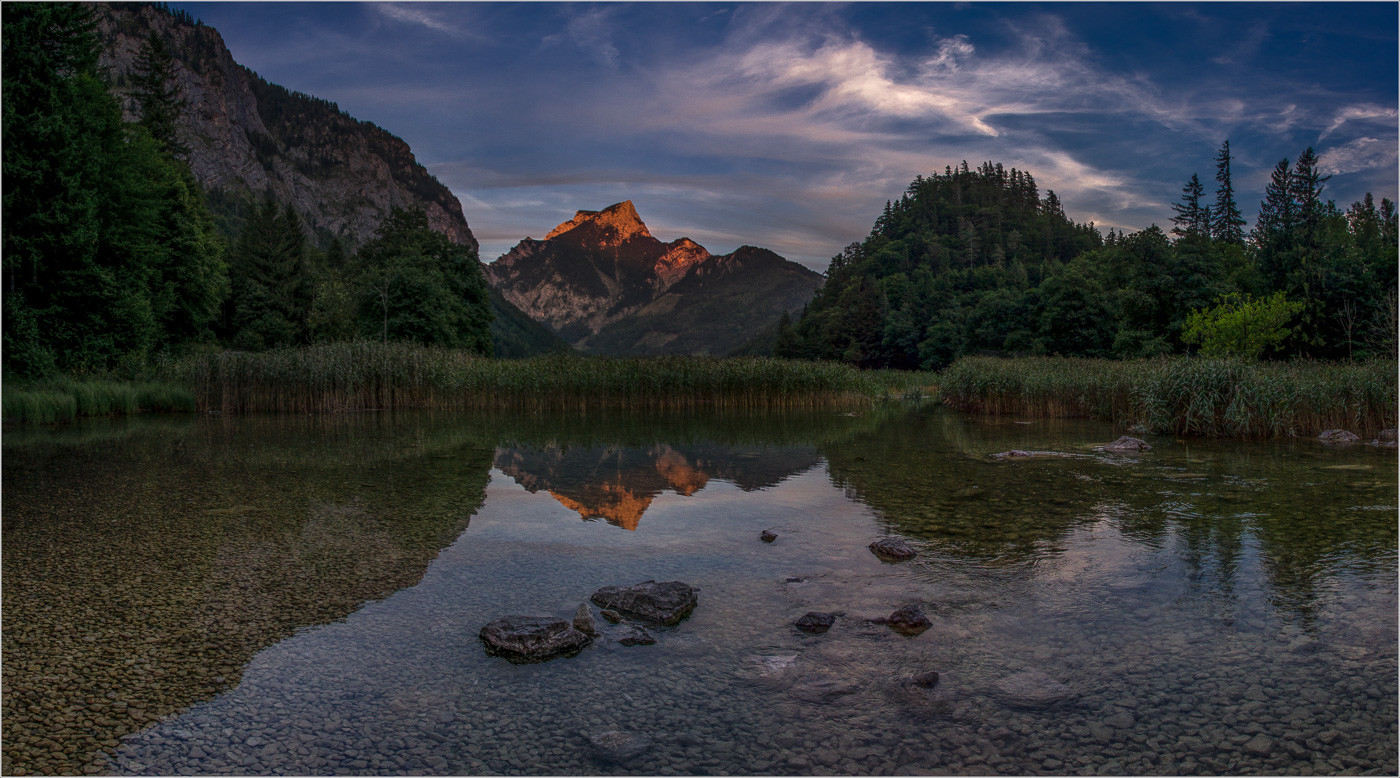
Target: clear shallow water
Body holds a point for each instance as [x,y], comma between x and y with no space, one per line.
[1205,608]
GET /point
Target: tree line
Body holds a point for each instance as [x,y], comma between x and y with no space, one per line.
[976,261]
[111,255]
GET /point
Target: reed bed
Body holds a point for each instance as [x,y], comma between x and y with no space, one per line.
[1184,396]
[357,376]
[64,399]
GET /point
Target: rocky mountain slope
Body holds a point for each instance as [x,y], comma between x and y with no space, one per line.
[246,136]
[606,285]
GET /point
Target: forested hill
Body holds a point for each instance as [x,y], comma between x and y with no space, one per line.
[976,261]
[246,136]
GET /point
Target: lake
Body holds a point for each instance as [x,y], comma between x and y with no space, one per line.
[303,595]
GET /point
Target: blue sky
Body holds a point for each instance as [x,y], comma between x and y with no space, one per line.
[789,126]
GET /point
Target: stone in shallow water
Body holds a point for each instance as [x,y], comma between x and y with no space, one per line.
[823,691]
[1338,436]
[617,746]
[612,616]
[583,620]
[1032,689]
[909,620]
[815,622]
[1259,745]
[662,603]
[892,550]
[926,680]
[637,636]
[1126,443]
[531,637]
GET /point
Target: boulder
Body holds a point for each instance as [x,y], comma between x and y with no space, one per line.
[583,620]
[1386,436]
[659,603]
[612,616]
[815,622]
[617,746]
[768,536]
[1126,443]
[1338,436]
[531,638]
[1033,690]
[892,550]
[909,620]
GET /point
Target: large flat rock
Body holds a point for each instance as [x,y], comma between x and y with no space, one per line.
[659,603]
[532,638]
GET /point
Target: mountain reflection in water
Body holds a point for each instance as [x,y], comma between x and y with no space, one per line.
[1211,602]
[617,484]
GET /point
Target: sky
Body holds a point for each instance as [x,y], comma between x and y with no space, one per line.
[788,126]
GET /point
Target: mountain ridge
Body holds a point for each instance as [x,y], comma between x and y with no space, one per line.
[597,276]
[247,136]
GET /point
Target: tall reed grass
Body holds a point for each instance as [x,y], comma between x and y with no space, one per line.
[365,375]
[63,399]
[1184,396]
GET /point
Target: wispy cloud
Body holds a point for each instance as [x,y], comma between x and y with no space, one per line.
[1358,113]
[420,14]
[1360,154]
[591,31]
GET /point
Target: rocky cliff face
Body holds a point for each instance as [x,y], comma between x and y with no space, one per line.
[247,136]
[605,284]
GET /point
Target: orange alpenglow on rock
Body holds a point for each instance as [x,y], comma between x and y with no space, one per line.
[611,226]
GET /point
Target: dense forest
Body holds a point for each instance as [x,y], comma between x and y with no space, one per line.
[111,255]
[975,261]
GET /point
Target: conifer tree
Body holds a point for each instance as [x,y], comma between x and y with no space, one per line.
[271,283]
[1191,217]
[157,95]
[1227,225]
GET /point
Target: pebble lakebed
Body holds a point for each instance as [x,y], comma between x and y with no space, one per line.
[1173,657]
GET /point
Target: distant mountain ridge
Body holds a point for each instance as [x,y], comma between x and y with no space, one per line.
[246,136]
[607,285]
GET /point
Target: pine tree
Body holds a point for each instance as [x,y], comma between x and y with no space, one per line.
[1305,187]
[1227,224]
[271,283]
[157,94]
[1191,217]
[1277,212]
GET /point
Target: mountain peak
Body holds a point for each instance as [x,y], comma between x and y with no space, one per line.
[610,226]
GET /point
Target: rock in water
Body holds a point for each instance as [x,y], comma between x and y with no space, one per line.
[926,680]
[768,536]
[1386,436]
[1338,436]
[637,636]
[815,622]
[1126,443]
[612,616]
[1032,689]
[661,603]
[531,637]
[892,550]
[617,746]
[909,620]
[583,620]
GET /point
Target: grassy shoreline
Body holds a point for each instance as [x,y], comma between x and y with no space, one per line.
[1171,395]
[64,399]
[1183,396]
[366,375]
